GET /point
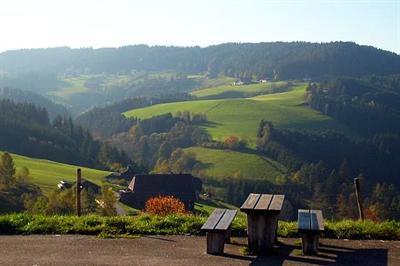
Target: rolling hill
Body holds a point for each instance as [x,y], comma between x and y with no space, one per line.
[241,117]
[227,163]
[46,174]
[244,91]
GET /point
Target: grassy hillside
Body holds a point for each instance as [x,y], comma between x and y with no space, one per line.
[231,91]
[226,163]
[241,117]
[73,86]
[46,174]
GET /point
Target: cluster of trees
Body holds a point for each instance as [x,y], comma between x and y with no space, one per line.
[326,163]
[154,142]
[107,121]
[26,129]
[370,105]
[18,193]
[21,96]
[277,59]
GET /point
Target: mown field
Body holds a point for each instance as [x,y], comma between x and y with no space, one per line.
[241,117]
[243,91]
[227,163]
[46,174]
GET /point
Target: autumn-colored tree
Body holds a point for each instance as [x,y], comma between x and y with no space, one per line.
[234,143]
[164,205]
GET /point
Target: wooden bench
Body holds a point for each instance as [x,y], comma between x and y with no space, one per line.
[218,228]
[310,226]
[262,220]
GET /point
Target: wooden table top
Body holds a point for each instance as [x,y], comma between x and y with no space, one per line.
[263,203]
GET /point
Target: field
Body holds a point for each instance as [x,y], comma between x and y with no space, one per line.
[241,117]
[226,163]
[244,91]
[46,174]
[73,86]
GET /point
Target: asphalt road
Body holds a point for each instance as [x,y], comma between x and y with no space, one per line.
[183,250]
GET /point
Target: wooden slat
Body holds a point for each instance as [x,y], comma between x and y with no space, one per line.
[276,203]
[317,221]
[250,202]
[213,220]
[264,202]
[304,220]
[226,220]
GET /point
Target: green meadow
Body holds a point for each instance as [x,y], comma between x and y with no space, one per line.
[73,86]
[46,174]
[227,163]
[242,91]
[241,117]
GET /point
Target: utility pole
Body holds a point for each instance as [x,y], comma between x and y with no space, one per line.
[78,191]
[359,200]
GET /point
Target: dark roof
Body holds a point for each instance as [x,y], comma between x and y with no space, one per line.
[163,184]
[86,184]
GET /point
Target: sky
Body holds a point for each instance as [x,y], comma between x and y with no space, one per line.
[112,23]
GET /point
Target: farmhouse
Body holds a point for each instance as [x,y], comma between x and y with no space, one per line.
[85,184]
[242,81]
[142,187]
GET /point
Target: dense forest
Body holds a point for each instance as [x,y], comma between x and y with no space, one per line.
[23,96]
[294,60]
[27,129]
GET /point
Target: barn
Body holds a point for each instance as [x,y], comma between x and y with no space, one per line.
[142,187]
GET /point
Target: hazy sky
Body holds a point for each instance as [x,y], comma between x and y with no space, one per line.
[105,23]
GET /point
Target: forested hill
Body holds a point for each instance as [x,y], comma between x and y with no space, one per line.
[26,129]
[22,96]
[263,60]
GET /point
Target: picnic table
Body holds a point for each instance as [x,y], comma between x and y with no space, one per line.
[262,220]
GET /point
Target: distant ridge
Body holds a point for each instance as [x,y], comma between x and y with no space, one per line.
[283,60]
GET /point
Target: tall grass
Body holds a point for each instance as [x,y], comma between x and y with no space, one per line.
[176,225]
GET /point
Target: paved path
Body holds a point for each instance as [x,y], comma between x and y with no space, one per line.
[182,250]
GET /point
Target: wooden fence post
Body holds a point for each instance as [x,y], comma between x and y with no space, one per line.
[78,192]
[359,200]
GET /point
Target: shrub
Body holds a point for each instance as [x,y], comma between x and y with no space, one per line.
[234,143]
[164,205]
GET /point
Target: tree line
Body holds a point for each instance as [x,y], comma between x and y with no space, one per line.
[27,129]
[283,60]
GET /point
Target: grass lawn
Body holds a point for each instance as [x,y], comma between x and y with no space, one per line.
[225,163]
[46,174]
[241,117]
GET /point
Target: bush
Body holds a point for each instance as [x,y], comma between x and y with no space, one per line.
[164,206]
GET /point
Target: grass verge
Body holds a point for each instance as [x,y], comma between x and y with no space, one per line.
[143,224]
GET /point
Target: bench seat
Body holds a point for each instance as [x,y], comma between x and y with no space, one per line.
[310,226]
[218,229]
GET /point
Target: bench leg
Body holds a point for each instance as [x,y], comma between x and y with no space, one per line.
[228,236]
[310,243]
[261,231]
[215,242]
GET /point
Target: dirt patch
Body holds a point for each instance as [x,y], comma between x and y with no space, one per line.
[184,250]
